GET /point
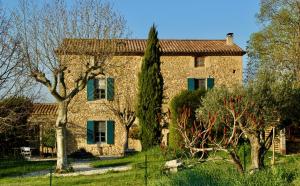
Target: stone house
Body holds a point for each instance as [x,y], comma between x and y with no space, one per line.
[186,64]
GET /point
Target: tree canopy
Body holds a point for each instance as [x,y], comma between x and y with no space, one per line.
[276,46]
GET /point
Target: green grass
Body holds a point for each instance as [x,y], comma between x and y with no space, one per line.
[133,177]
[10,168]
[285,172]
[218,172]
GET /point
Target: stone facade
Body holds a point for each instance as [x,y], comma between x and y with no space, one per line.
[226,70]
[176,68]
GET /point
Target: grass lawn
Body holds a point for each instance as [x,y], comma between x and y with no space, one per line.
[9,168]
[219,172]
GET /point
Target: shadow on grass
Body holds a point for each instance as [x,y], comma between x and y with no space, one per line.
[112,164]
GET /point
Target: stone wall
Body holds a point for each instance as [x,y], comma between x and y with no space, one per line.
[125,71]
[176,70]
[43,121]
[227,70]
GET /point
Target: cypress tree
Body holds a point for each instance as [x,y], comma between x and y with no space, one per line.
[150,92]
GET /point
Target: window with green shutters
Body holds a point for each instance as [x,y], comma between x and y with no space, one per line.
[110,132]
[90,132]
[90,89]
[101,88]
[110,88]
[100,132]
[191,84]
[197,83]
[210,83]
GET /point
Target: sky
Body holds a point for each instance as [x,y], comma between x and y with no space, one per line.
[191,19]
[187,19]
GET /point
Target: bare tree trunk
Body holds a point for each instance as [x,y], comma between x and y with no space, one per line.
[61,122]
[237,161]
[257,159]
[126,139]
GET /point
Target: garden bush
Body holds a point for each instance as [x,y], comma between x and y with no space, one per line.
[190,99]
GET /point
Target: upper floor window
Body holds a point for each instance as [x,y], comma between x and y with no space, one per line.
[100,88]
[199,62]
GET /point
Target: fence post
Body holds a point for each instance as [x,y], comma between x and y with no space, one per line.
[244,158]
[50,176]
[146,170]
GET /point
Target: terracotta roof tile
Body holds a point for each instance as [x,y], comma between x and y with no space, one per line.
[138,46]
[44,109]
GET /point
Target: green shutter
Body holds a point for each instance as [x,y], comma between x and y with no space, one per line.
[110,132]
[90,90]
[110,88]
[191,84]
[210,83]
[90,132]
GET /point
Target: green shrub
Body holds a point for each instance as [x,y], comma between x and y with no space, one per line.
[191,99]
[244,152]
[49,137]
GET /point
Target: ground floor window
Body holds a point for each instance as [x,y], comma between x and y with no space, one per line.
[100,131]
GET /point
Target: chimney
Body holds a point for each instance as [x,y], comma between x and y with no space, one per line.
[229,39]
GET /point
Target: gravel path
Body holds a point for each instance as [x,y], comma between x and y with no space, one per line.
[82,168]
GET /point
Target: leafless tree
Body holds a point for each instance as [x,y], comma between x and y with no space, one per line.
[44,30]
[124,112]
[206,135]
[12,82]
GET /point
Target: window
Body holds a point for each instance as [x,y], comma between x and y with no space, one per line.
[199,62]
[100,88]
[100,131]
[200,84]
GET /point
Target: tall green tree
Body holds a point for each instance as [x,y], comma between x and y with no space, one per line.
[150,94]
[276,46]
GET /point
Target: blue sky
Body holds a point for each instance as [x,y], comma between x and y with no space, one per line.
[191,19]
[187,19]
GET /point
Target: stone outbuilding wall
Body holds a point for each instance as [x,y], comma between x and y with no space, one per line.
[43,117]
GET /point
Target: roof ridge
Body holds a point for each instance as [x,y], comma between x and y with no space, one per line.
[144,39]
[137,46]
